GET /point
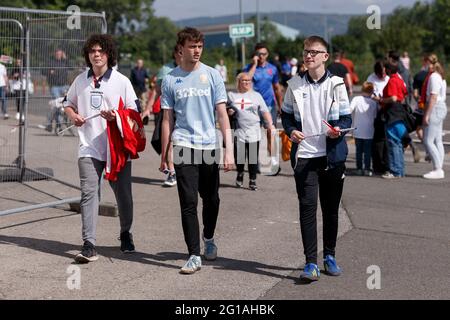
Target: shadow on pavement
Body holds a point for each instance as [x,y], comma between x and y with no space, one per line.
[224,263]
[38,220]
[142,180]
[65,250]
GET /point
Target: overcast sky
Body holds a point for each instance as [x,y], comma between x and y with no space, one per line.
[182,9]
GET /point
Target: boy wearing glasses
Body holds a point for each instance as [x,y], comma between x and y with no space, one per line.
[318,153]
[98,91]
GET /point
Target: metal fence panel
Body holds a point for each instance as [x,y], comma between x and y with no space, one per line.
[41,61]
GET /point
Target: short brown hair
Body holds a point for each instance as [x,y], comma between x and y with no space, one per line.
[367,87]
[315,39]
[106,42]
[189,34]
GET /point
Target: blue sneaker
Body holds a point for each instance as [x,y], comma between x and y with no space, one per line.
[331,267]
[310,273]
[210,252]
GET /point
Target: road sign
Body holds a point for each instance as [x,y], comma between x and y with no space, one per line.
[243,30]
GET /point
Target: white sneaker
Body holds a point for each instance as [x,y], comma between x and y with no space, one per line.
[275,162]
[192,265]
[17,116]
[6,116]
[389,175]
[435,174]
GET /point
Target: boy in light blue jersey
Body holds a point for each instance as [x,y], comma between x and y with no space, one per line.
[192,93]
[193,96]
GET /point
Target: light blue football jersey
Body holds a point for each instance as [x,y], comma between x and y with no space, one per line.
[193,96]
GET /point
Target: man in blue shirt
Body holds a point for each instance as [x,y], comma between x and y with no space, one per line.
[266,82]
[194,92]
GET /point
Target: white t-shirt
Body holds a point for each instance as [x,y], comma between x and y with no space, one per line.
[223,71]
[89,101]
[247,107]
[2,75]
[438,86]
[365,111]
[378,84]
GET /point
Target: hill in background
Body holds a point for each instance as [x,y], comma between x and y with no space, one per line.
[306,23]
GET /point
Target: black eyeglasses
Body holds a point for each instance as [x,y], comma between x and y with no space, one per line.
[313,53]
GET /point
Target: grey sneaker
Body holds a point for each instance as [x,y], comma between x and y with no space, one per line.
[171,180]
[389,175]
[193,264]
[210,252]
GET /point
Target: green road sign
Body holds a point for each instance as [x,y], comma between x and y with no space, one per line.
[243,30]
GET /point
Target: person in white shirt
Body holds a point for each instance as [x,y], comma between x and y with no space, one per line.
[315,109]
[294,66]
[90,102]
[222,68]
[3,87]
[405,59]
[434,115]
[379,79]
[247,106]
[365,110]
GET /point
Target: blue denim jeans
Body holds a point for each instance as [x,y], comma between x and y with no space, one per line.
[396,160]
[363,150]
[3,98]
[58,91]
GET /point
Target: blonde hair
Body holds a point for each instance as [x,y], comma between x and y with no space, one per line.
[367,87]
[436,65]
[239,77]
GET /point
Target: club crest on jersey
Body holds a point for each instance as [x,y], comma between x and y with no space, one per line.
[96,101]
[203,78]
[178,81]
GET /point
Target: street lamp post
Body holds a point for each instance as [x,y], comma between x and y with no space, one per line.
[243,39]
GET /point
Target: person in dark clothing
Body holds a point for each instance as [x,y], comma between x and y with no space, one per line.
[338,69]
[57,81]
[138,79]
[380,161]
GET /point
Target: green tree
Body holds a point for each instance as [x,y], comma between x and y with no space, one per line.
[441,25]
[115,10]
[269,34]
